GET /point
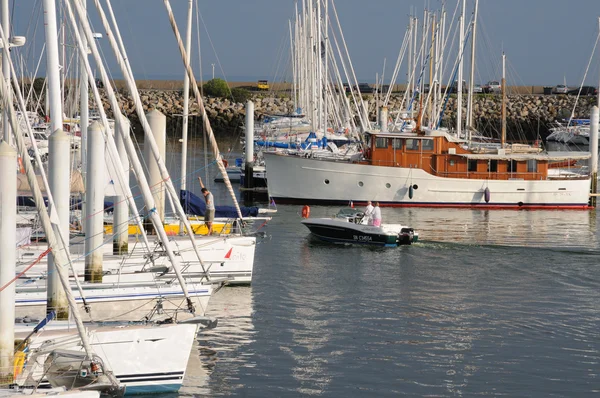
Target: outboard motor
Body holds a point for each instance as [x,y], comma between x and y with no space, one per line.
[406,236]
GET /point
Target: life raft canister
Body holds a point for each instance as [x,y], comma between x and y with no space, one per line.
[305,211]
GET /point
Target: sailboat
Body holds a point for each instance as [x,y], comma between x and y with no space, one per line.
[150,358]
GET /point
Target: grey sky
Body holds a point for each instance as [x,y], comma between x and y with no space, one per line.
[545,40]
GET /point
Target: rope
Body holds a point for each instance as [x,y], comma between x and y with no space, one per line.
[26,269]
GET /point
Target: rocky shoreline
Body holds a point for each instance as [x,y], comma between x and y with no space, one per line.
[531,114]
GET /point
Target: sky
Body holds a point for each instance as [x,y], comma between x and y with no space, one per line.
[545,41]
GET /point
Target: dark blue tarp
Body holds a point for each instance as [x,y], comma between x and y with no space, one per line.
[196,206]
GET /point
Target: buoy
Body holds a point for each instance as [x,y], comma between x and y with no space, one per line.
[305,211]
[411,191]
[486,194]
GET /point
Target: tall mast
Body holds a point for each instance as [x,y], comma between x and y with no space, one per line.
[325,79]
[83,119]
[409,63]
[503,83]
[58,175]
[6,67]
[432,18]
[472,77]
[186,105]
[459,85]
[293,54]
[598,102]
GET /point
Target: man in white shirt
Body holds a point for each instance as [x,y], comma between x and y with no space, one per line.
[368,218]
[209,214]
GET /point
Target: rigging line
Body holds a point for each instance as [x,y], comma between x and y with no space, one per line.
[36,261]
[583,80]
[211,44]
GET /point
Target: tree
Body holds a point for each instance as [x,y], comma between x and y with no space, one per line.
[217,88]
[240,95]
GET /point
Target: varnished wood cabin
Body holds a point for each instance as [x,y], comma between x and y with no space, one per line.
[442,155]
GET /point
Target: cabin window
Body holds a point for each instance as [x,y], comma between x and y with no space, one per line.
[472,165]
[397,143]
[493,166]
[532,166]
[412,144]
[381,142]
[512,166]
[427,145]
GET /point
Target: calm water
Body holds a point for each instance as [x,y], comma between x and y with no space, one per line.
[488,303]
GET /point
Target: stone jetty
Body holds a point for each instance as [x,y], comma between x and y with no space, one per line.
[227,117]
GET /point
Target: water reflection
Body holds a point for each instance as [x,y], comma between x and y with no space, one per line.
[226,346]
[539,228]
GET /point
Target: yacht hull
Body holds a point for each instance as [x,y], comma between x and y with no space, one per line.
[328,182]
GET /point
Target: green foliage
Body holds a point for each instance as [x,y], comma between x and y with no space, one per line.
[240,95]
[217,88]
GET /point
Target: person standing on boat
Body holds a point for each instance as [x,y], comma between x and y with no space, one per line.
[209,214]
[376,215]
[368,217]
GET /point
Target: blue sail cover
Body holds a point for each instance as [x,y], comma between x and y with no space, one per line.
[196,206]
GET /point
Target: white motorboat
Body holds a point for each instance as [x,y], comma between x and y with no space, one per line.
[349,226]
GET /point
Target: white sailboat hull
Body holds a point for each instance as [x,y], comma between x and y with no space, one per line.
[295,179]
[114,303]
[146,359]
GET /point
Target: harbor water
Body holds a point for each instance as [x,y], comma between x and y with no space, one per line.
[494,303]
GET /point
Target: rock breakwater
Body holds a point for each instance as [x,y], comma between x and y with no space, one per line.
[533,113]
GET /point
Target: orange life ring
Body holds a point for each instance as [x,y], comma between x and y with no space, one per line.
[305,211]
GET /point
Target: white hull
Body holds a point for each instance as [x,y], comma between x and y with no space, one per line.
[339,182]
[146,359]
[231,257]
[113,302]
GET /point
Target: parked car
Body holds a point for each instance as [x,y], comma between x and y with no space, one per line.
[585,90]
[492,87]
[477,89]
[560,89]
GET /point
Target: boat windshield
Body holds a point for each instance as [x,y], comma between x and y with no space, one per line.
[348,212]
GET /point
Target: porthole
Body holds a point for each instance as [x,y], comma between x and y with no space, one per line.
[360,184]
[415,186]
[326,181]
[388,185]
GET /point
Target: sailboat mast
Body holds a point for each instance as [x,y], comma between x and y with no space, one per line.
[6,66]
[459,84]
[472,72]
[598,101]
[59,170]
[503,83]
[325,77]
[186,104]
[83,113]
